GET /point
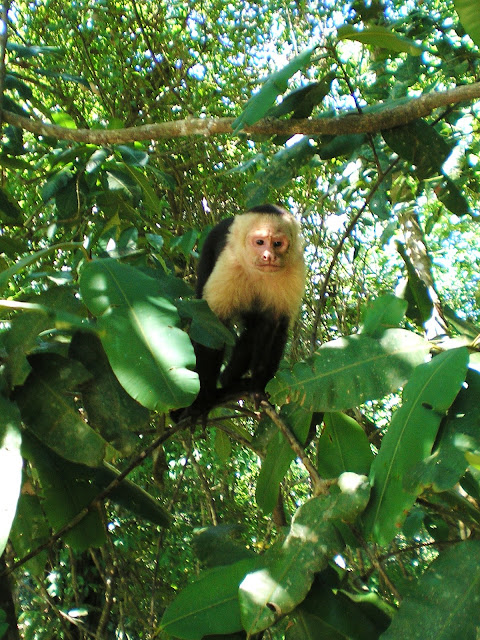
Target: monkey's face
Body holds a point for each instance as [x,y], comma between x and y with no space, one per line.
[267,246]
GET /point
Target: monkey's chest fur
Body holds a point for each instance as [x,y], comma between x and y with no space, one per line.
[234,289]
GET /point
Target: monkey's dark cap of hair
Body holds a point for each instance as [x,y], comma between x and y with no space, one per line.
[267,208]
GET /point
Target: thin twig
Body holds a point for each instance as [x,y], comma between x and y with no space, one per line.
[319,486]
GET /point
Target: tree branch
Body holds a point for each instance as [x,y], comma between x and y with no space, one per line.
[391,116]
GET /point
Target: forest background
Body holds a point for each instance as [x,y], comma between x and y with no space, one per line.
[349,506]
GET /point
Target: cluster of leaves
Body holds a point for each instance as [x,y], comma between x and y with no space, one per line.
[95,352]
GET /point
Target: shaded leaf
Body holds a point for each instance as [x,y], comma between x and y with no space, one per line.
[65,494]
[110,409]
[206,328]
[460,434]
[329,613]
[445,602]
[336,146]
[379,36]
[10,212]
[385,312]
[30,529]
[214,546]
[48,408]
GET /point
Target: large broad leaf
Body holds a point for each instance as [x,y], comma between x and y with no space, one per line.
[346,372]
[65,494]
[279,456]
[10,466]
[110,409]
[151,357]
[257,107]
[30,529]
[460,434]
[421,145]
[343,446]
[48,408]
[328,613]
[380,37]
[469,17]
[444,603]
[209,605]
[286,572]
[409,440]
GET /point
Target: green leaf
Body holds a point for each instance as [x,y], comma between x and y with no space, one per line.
[10,212]
[122,182]
[328,613]
[131,156]
[337,146]
[65,494]
[111,411]
[214,546]
[419,144]
[10,466]
[346,372]
[129,495]
[257,107]
[30,529]
[302,101]
[32,51]
[55,183]
[383,313]
[150,197]
[380,37]
[279,456]
[343,446]
[209,605]
[284,166]
[417,296]
[206,328]
[460,434]
[138,327]
[48,408]
[469,17]
[443,603]
[96,160]
[409,440]
[285,572]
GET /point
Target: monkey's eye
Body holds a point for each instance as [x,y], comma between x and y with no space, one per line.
[277,243]
[259,241]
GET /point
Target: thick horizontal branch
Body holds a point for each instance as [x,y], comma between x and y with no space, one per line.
[386,118]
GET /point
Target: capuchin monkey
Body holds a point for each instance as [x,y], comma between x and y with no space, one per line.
[252,273]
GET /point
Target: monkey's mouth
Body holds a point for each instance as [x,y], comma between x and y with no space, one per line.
[268,267]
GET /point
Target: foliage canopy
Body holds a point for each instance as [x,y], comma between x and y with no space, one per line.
[349,506]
